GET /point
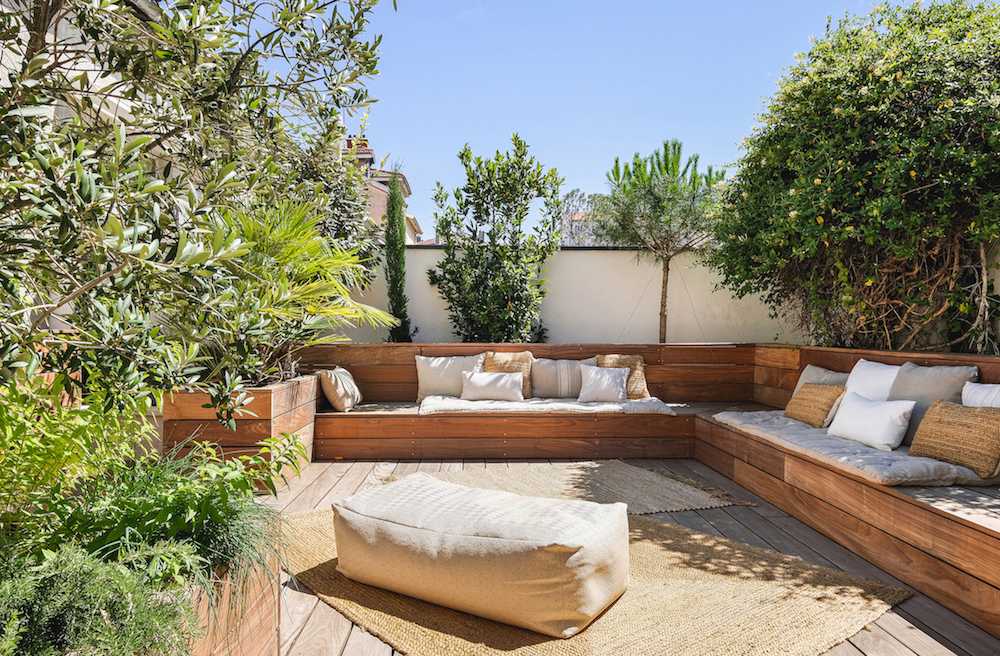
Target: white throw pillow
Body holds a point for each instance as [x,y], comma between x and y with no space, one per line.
[339,388]
[443,376]
[872,380]
[981,395]
[492,386]
[603,384]
[878,424]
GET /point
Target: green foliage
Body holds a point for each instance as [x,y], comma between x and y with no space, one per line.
[395,263]
[866,202]
[491,271]
[659,204]
[72,603]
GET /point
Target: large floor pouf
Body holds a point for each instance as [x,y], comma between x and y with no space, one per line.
[549,565]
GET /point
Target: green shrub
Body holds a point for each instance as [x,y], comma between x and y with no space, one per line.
[491,271]
[395,263]
[867,200]
[73,603]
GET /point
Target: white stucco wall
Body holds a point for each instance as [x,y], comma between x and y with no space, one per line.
[602,296]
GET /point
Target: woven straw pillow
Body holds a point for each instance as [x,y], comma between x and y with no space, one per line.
[637,372]
[815,404]
[511,363]
[961,435]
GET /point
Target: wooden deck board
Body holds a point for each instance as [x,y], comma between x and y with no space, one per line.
[917,627]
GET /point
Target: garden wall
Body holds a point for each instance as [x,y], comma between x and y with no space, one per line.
[605,296]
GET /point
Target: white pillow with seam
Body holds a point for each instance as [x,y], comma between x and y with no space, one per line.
[878,424]
[492,386]
[981,395]
[603,384]
[872,380]
[442,376]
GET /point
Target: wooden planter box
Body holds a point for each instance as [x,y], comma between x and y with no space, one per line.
[287,407]
[244,622]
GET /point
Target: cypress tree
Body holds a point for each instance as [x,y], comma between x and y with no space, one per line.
[395,262]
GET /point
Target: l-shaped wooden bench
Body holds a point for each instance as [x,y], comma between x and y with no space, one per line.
[945,542]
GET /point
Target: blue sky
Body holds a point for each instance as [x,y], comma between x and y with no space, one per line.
[581,81]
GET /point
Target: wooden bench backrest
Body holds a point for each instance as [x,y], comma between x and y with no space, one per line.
[674,372]
[776,368]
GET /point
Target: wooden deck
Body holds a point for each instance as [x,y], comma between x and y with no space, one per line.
[917,627]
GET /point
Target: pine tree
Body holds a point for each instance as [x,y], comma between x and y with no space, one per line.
[395,262]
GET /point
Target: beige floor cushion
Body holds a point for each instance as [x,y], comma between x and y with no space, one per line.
[548,565]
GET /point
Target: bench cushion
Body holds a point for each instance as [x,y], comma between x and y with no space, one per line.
[433,405]
[896,467]
[548,565]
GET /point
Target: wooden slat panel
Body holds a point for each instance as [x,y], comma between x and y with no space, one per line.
[772,396]
[248,431]
[549,447]
[964,547]
[266,402]
[773,377]
[780,357]
[699,373]
[349,426]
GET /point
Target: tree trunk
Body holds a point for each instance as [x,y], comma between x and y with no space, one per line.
[663,300]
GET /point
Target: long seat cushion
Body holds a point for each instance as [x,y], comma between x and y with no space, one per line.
[548,565]
[896,467]
[452,405]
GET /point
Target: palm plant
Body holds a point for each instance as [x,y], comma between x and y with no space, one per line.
[292,290]
[659,204]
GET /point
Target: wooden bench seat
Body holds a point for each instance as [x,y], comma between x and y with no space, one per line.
[395,430]
[944,542]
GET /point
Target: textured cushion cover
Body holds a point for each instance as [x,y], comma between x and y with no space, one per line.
[872,380]
[548,565]
[896,467]
[339,388]
[483,386]
[820,376]
[878,424]
[961,435]
[603,384]
[981,395]
[445,405]
[815,404]
[925,385]
[637,372]
[557,379]
[444,375]
[511,363]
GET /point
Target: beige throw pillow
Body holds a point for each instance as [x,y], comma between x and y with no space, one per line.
[637,372]
[962,436]
[557,379]
[339,388]
[815,404]
[511,363]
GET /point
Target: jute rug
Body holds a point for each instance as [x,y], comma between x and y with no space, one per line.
[602,481]
[690,595]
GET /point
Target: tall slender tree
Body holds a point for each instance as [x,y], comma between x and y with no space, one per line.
[659,204]
[395,262]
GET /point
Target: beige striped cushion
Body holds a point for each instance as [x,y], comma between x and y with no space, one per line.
[636,386]
[511,363]
[815,404]
[961,435]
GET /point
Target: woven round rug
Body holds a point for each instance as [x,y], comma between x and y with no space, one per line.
[690,594]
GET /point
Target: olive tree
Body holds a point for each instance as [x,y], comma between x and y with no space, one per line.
[866,202]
